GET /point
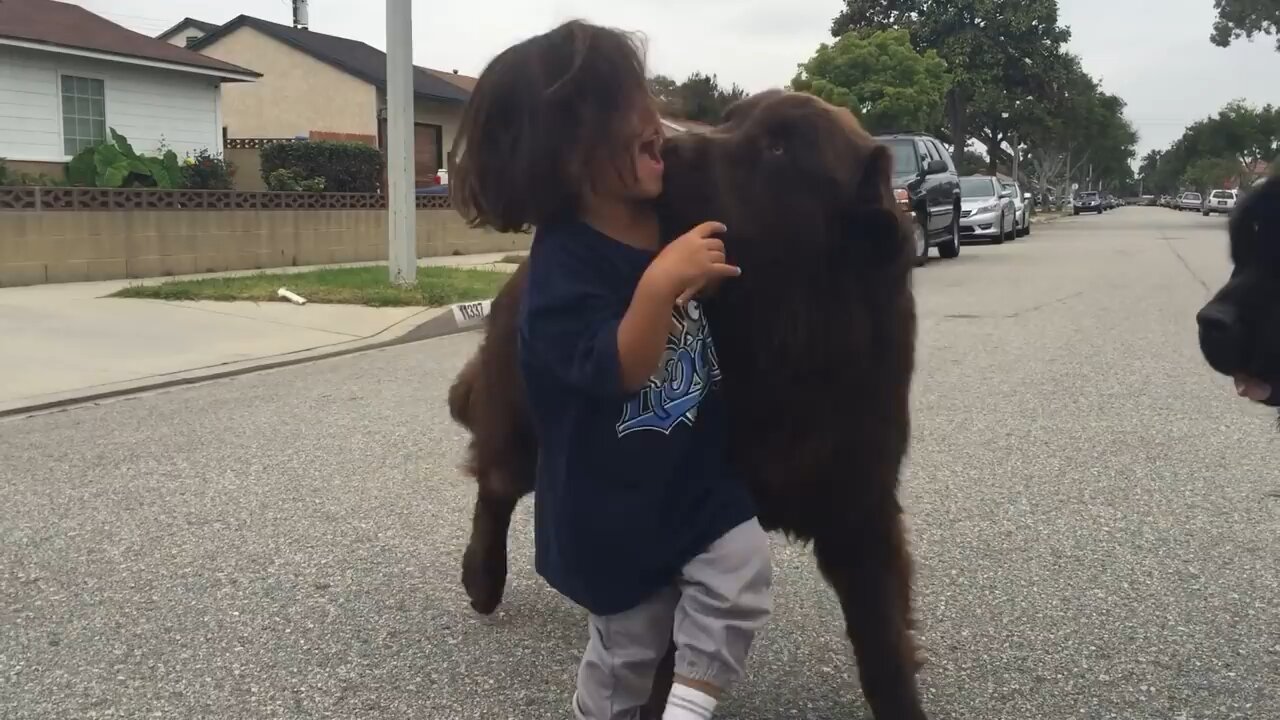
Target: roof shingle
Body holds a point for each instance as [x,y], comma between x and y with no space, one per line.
[64,25]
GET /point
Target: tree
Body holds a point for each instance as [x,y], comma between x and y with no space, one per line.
[1247,135]
[1244,19]
[700,97]
[878,76]
[995,51]
[1208,174]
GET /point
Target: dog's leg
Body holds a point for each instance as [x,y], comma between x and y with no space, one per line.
[869,565]
[484,564]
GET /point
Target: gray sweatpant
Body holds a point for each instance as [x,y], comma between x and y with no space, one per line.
[713,611]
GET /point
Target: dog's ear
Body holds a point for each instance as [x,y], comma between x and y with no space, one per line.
[874,231]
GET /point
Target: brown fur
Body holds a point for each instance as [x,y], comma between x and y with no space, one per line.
[816,342]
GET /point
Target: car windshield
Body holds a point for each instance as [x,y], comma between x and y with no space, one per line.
[904,156]
[977,188]
[1193,196]
[1088,196]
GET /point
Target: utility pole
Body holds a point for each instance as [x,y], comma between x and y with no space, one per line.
[301,17]
[402,251]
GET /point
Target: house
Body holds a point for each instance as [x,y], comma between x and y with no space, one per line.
[187,31]
[67,75]
[323,86]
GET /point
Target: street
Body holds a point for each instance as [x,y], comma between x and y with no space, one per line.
[1095,517]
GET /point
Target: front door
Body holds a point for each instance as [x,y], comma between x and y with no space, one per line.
[426,151]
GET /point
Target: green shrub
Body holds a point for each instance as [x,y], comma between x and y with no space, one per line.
[206,171]
[6,177]
[283,181]
[345,167]
[115,164]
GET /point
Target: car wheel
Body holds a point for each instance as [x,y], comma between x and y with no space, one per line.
[951,248]
[1075,212]
[1027,230]
[921,243]
[1000,233]
[1099,211]
[1206,213]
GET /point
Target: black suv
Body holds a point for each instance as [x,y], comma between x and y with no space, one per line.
[925,184]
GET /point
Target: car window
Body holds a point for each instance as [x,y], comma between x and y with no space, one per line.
[1222,194]
[929,150]
[977,188]
[1193,196]
[1088,196]
[943,155]
[904,156]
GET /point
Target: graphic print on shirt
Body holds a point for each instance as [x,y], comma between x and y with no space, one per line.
[689,369]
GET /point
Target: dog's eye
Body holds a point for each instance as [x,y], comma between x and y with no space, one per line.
[777,148]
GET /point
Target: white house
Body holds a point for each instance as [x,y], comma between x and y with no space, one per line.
[67,75]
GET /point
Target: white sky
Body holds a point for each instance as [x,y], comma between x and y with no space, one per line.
[1156,55]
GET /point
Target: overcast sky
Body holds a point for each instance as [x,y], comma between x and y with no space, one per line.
[1157,56]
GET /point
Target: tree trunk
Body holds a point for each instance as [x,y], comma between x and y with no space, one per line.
[956,106]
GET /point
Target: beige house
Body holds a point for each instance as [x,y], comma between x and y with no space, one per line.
[321,86]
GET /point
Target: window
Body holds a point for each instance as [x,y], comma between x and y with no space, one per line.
[943,155]
[84,113]
[977,188]
[933,152]
[904,156]
[191,40]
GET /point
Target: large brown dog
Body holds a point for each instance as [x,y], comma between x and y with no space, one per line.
[816,340]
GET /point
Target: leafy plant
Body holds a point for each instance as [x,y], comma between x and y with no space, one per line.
[345,167]
[6,177]
[315,184]
[206,171]
[115,164]
[283,181]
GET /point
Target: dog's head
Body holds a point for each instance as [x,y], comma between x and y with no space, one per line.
[796,181]
[1240,326]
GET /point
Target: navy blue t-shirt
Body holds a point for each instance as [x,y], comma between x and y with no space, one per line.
[630,486]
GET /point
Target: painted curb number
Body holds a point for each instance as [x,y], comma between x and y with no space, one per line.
[472,313]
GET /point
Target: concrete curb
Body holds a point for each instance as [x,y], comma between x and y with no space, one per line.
[425,325]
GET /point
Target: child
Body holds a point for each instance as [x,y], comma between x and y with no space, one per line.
[638,516]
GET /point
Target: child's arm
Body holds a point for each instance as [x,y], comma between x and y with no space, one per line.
[680,270]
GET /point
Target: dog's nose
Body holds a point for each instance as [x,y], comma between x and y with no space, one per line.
[1220,337]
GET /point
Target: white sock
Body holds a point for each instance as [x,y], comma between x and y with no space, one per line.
[685,703]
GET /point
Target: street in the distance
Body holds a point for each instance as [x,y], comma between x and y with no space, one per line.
[1095,515]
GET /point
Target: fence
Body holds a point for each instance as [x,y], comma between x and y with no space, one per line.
[77,234]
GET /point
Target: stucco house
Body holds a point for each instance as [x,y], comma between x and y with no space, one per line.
[67,75]
[317,85]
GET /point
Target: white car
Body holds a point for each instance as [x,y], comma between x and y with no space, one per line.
[986,210]
[1021,208]
[1189,201]
[1220,201]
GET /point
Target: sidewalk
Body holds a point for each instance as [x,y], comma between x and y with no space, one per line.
[62,342]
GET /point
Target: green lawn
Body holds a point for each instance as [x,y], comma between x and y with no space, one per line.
[353,286]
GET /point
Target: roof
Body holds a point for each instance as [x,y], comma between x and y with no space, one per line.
[202,26]
[466,82]
[351,56]
[64,26]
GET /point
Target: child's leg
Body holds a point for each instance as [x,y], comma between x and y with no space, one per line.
[622,655]
[725,599]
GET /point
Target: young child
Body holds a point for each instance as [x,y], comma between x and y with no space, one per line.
[638,516]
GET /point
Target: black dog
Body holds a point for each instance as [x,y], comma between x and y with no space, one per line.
[1240,326]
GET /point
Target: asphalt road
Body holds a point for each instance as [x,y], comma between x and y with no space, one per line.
[1096,521]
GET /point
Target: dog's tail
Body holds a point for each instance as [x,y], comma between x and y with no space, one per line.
[461,390]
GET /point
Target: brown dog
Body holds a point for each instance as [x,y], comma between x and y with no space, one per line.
[816,341]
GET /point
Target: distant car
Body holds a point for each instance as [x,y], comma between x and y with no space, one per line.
[1190,201]
[925,184]
[1021,207]
[440,185]
[986,210]
[1220,201]
[1148,200]
[1087,201]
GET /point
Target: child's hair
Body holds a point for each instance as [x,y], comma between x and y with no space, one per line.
[543,113]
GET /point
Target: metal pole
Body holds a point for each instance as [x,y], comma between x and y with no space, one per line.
[402,255]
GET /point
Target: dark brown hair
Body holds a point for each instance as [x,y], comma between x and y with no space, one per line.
[542,113]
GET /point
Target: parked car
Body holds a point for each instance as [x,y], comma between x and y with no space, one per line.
[1148,200]
[1086,201]
[986,209]
[440,185]
[1220,201]
[1190,201]
[1022,208]
[926,185]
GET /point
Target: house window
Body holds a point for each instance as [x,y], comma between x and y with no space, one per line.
[84,113]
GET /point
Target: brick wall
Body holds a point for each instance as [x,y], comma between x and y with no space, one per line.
[43,246]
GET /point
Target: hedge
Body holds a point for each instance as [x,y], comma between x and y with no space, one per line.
[345,167]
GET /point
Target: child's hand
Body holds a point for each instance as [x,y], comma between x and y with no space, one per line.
[690,262]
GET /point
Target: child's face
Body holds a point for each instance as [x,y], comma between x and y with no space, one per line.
[642,148]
